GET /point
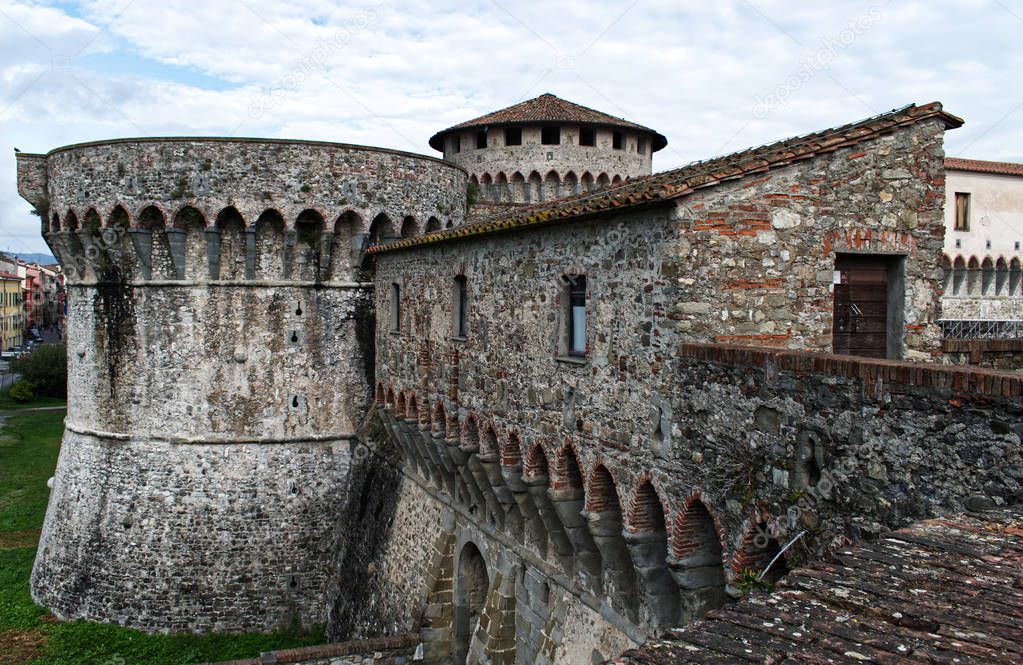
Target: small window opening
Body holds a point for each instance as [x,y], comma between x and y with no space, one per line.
[587,136]
[641,146]
[617,140]
[294,401]
[294,336]
[395,308]
[481,139]
[298,310]
[576,315]
[550,135]
[962,222]
[513,136]
[461,307]
[456,143]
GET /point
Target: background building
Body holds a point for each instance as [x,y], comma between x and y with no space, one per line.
[983,293]
[12,324]
[44,298]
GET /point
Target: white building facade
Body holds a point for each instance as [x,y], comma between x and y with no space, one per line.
[983,249]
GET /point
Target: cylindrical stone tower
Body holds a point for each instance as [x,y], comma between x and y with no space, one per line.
[545,148]
[220,360]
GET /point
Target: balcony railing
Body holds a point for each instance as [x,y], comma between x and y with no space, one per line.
[965,329]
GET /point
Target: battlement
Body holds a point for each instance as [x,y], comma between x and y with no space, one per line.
[232,209]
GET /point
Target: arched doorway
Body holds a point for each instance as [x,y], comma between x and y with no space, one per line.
[471,585]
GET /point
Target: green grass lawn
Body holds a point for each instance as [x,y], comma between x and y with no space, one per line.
[8,404]
[29,445]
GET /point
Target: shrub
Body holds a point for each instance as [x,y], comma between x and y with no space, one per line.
[22,391]
[46,369]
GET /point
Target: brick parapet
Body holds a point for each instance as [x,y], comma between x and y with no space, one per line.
[963,381]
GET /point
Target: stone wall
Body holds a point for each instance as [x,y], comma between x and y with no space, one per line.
[532,613]
[32,181]
[983,308]
[209,431]
[996,353]
[252,176]
[650,471]
[173,537]
[384,591]
[534,172]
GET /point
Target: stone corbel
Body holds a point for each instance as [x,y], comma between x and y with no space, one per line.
[142,241]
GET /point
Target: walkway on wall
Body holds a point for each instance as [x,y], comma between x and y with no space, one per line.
[942,590]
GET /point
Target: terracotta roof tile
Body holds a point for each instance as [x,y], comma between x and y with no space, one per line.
[979,166]
[668,185]
[547,108]
[942,590]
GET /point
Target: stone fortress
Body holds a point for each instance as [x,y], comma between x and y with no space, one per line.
[527,404]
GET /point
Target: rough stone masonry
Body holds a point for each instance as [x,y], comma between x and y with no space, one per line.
[302,386]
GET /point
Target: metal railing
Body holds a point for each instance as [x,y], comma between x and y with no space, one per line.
[965,329]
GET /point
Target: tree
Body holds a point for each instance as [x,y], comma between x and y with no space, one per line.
[46,369]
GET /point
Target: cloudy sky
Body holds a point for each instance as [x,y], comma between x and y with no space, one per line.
[712,76]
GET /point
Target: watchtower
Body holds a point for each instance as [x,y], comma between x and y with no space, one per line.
[545,148]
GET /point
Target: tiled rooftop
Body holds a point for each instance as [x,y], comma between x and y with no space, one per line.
[941,591]
[682,181]
[980,166]
[547,108]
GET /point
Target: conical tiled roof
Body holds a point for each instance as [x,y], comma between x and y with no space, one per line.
[547,108]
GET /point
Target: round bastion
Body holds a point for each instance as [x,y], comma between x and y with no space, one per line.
[220,358]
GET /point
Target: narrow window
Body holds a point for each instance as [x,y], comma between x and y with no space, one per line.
[395,307]
[641,146]
[456,143]
[513,136]
[617,141]
[550,135]
[461,307]
[962,211]
[576,315]
[481,139]
[587,136]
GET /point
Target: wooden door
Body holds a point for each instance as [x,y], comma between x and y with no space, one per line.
[860,325]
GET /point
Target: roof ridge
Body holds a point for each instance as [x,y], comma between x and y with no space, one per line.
[984,166]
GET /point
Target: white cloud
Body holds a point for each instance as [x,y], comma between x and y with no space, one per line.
[387,73]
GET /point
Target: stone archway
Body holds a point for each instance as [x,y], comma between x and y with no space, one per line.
[472,582]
